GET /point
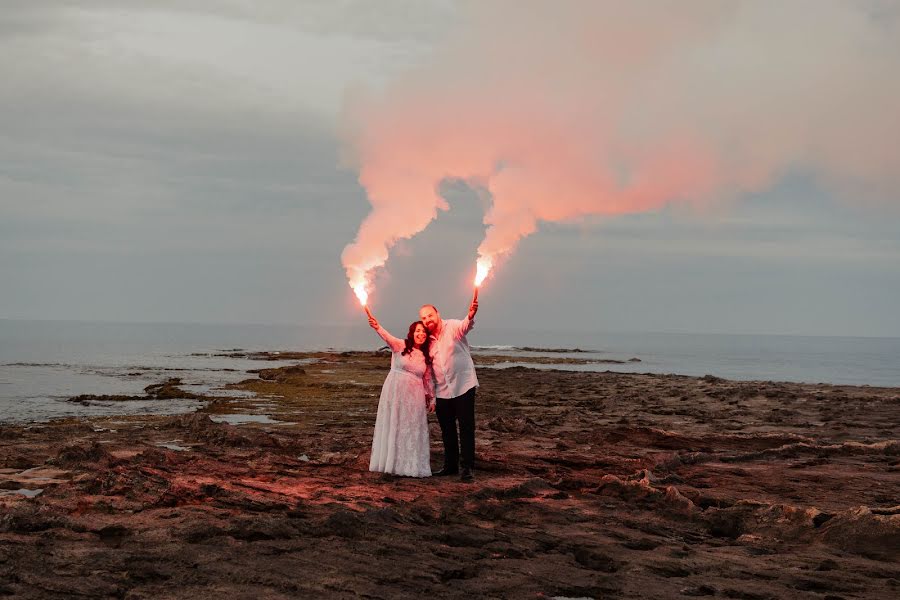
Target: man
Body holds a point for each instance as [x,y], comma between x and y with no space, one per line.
[455,384]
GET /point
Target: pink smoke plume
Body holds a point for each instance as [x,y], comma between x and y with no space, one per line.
[564,110]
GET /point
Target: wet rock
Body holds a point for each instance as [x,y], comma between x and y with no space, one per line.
[670,498]
[652,436]
[28,518]
[702,590]
[821,586]
[827,565]
[17,459]
[169,390]
[145,570]
[75,455]
[861,531]
[384,516]
[641,544]
[644,475]
[335,458]
[343,523]
[467,572]
[128,483]
[594,560]
[670,570]
[199,427]
[725,523]
[263,528]
[821,518]
[112,535]
[527,489]
[467,537]
[232,500]
[201,532]
[291,374]
[498,424]
[88,399]
[492,509]
[748,594]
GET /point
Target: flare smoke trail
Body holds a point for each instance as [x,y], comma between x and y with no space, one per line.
[563,110]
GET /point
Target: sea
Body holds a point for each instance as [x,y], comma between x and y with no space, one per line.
[45,363]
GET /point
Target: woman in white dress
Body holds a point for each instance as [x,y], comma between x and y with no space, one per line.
[400,444]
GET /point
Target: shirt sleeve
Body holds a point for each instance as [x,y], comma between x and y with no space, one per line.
[396,344]
[465,326]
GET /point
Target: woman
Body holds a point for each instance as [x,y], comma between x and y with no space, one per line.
[400,444]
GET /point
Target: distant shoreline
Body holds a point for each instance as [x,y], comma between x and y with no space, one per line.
[167,395]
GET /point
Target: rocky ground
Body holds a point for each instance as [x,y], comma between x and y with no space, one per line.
[597,485]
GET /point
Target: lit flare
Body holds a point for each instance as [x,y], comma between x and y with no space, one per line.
[360,290]
[481,270]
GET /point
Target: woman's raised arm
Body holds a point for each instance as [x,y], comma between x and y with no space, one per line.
[396,344]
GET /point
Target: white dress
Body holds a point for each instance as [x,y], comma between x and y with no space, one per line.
[400,444]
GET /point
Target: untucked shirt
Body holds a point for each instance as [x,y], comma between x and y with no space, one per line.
[454,371]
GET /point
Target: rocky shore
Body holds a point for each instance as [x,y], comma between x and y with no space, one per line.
[597,485]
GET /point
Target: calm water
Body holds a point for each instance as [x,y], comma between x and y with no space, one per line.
[42,363]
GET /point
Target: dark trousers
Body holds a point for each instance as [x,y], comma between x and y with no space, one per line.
[449,411]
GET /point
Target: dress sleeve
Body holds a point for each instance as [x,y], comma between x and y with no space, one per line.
[396,344]
[428,380]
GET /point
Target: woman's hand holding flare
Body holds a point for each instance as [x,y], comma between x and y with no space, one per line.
[373,322]
[473,308]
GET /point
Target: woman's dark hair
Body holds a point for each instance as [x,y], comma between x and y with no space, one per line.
[410,343]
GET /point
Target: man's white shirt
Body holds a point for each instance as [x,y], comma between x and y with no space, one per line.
[454,371]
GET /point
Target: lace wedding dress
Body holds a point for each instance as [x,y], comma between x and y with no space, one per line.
[400,444]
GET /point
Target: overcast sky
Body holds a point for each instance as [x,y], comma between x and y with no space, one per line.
[182,161]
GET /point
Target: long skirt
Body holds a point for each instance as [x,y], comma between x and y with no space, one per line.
[400,443]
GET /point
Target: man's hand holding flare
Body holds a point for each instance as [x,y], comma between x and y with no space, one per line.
[482,269]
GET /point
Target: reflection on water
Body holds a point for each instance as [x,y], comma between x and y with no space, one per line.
[238,419]
[173,446]
[38,392]
[834,360]
[22,492]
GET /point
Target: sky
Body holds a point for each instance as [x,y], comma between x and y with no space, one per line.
[210,161]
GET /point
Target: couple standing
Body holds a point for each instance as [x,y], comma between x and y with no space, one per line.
[431,370]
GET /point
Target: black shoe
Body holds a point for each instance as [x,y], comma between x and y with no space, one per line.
[467,474]
[445,472]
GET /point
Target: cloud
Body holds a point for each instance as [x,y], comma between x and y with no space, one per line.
[384,21]
[115,133]
[562,111]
